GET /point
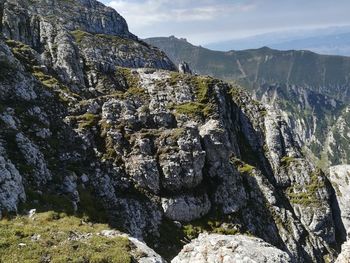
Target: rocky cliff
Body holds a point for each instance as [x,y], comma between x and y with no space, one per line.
[99,125]
[310,90]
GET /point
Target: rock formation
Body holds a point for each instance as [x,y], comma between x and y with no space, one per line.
[226,249]
[95,122]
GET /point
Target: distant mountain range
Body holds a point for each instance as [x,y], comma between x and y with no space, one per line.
[311,90]
[329,75]
[331,41]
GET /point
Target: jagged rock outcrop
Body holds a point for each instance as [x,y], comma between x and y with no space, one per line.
[340,178]
[55,35]
[151,151]
[184,68]
[338,139]
[11,185]
[221,248]
[313,97]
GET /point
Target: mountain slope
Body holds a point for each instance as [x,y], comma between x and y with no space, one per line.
[327,75]
[311,90]
[160,155]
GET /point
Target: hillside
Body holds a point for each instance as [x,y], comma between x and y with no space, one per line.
[311,90]
[328,75]
[99,127]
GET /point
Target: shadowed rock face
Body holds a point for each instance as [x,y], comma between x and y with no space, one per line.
[87,129]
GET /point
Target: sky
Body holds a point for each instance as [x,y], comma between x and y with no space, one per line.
[208,21]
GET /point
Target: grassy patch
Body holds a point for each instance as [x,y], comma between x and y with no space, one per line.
[131,77]
[242,167]
[87,120]
[190,108]
[306,195]
[57,237]
[79,35]
[287,160]
[202,87]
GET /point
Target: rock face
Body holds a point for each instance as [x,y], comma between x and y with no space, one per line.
[221,248]
[312,97]
[340,179]
[55,35]
[184,68]
[149,150]
[344,256]
[11,190]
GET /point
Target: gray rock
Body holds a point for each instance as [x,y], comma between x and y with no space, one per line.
[186,208]
[220,248]
[34,158]
[344,256]
[184,68]
[11,186]
[340,178]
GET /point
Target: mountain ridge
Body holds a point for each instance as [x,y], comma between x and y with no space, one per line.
[311,90]
[103,128]
[274,66]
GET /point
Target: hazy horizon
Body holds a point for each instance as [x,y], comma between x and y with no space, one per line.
[209,21]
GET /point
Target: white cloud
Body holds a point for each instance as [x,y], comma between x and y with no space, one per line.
[206,21]
[145,13]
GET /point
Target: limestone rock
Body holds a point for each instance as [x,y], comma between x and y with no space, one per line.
[344,256]
[340,178]
[11,186]
[222,248]
[186,208]
[184,68]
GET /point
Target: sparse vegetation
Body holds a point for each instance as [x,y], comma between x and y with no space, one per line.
[202,87]
[307,194]
[79,35]
[87,120]
[173,237]
[242,167]
[287,160]
[131,77]
[190,108]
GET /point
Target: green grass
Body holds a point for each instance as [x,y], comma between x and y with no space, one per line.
[190,108]
[242,167]
[287,160]
[306,195]
[56,230]
[79,35]
[246,168]
[202,88]
[132,78]
[87,120]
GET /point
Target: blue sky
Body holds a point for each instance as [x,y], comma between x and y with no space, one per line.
[206,21]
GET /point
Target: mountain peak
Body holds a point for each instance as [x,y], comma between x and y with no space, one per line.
[86,15]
